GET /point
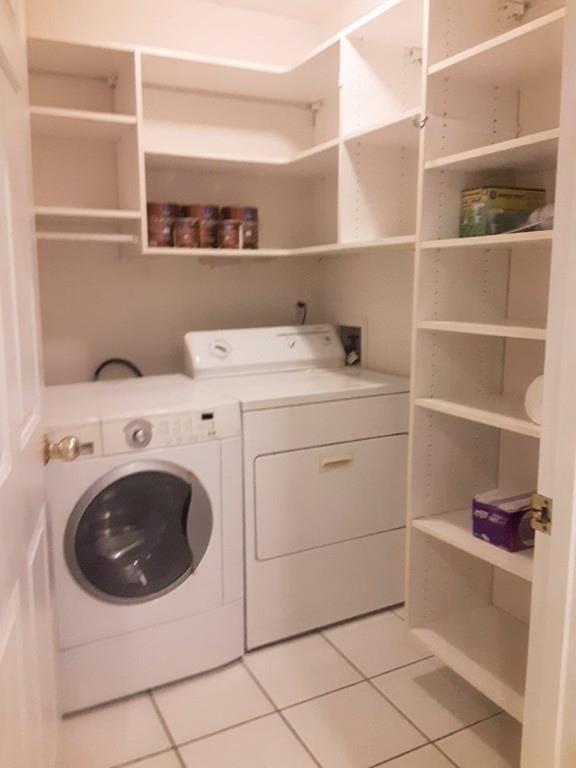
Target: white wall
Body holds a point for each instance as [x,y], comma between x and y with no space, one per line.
[96,305]
[378,290]
[191,25]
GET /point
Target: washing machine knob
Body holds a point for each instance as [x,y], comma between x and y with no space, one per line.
[138,433]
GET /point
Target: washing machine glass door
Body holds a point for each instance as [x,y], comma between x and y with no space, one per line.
[139,531]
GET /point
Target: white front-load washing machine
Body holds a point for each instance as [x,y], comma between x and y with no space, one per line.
[146,532]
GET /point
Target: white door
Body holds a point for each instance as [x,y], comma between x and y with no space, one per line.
[550,715]
[28,714]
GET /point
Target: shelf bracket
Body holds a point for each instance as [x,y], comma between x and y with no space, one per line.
[514,10]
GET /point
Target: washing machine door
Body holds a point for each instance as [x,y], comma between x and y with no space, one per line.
[138,532]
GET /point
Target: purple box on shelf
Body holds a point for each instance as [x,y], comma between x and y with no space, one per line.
[504,519]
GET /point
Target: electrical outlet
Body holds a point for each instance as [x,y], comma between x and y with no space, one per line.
[353,337]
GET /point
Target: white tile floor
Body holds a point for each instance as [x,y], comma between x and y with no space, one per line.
[354,696]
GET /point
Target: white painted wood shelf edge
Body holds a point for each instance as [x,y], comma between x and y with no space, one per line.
[536,150]
[500,411]
[87,237]
[488,242]
[399,244]
[455,528]
[509,329]
[62,212]
[54,121]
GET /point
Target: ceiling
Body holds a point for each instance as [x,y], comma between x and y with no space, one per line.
[314,11]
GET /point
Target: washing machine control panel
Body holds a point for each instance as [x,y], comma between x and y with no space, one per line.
[164,430]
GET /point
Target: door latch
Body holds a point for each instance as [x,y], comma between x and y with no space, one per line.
[542,513]
[66,449]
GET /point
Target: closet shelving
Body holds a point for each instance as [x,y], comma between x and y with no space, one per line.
[314,145]
[84,142]
[480,319]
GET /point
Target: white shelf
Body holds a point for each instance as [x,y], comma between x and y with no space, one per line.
[455,528]
[111,214]
[538,151]
[87,237]
[72,123]
[501,411]
[317,161]
[390,244]
[396,133]
[488,648]
[508,329]
[513,58]
[306,82]
[487,242]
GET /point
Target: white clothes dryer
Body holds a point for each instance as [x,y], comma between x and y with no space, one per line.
[146,530]
[325,451]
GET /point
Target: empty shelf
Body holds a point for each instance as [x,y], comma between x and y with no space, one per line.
[513,58]
[72,123]
[539,151]
[508,329]
[488,648]
[455,528]
[500,411]
[87,237]
[57,212]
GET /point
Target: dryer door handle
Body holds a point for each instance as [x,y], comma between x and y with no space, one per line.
[336,462]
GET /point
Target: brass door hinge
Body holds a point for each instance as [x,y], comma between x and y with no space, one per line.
[542,513]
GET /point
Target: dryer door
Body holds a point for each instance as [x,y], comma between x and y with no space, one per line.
[138,532]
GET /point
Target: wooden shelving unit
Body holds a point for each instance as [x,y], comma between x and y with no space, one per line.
[302,142]
[480,320]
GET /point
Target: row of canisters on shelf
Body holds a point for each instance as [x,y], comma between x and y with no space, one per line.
[202,226]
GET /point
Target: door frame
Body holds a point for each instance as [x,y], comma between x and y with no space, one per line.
[550,711]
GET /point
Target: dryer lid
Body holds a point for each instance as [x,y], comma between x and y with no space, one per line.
[212,354]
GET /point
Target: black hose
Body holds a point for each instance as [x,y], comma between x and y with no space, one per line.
[117,361]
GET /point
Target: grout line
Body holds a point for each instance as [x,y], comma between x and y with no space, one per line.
[223,730]
[282,716]
[370,683]
[466,727]
[136,760]
[166,728]
[378,674]
[445,756]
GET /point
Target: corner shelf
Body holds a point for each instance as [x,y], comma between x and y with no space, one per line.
[500,411]
[507,329]
[488,648]
[385,245]
[82,124]
[311,162]
[511,58]
[515,240]
[393,133]
[455,528]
